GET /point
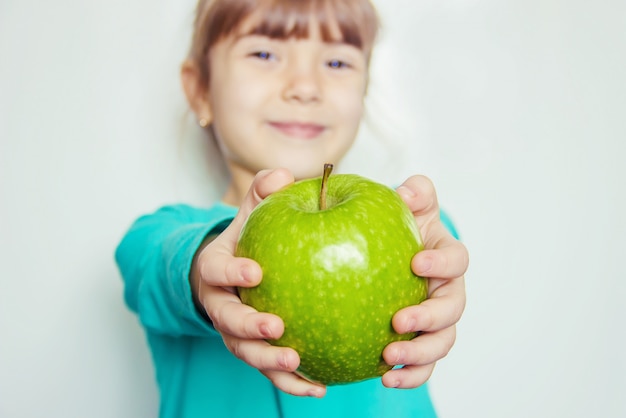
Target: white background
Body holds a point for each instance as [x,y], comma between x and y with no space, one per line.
[516,109]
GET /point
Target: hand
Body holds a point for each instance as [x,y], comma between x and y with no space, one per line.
[443,261]
[216,274]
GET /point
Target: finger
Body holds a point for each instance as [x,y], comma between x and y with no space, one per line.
[294,384]
[408,377]
[441,310]
[421,351]
[263,356]
[218,267]
[265,183]
[230,316]
[418,192]
[447,259]
[451,258]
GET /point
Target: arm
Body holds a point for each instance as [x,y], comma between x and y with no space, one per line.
[178,256]
[154,259]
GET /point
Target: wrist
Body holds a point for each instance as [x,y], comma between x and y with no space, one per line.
[195,278]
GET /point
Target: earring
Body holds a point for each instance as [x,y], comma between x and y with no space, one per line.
[203,122]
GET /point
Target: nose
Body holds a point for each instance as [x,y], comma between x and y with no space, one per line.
[303,85]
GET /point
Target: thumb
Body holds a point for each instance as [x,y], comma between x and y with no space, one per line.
[265,183]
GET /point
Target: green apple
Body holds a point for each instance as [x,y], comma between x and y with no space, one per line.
[336,258]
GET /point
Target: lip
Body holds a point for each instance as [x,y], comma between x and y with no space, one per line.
[300,130]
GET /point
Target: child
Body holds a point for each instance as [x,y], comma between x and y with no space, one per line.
[277,83]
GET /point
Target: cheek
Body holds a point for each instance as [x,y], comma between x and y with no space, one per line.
[352,112]
[237,92]
[235,112]
[349,101]
[234,100]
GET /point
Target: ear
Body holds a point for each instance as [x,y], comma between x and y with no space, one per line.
[196,91]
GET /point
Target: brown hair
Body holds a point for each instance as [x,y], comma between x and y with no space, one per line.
[356,21]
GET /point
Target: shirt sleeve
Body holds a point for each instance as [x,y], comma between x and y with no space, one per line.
[154,259]
[447,222]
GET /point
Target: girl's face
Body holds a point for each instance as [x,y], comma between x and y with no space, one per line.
[292,103]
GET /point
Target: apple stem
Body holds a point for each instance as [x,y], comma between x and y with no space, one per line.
[328,168]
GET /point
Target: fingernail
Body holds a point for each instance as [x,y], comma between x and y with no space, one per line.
[395,384]
[425,265]
[399,357]
[406,192]
[411,324]
[282,362]
[244,274]
[316,393]
[265,331]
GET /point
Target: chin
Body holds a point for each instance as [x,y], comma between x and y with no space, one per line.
[309,166]
[308,171]
[302,165]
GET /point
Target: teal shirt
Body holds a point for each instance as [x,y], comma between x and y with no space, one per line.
[196,374]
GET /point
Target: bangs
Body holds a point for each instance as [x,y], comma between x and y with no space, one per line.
[351,21]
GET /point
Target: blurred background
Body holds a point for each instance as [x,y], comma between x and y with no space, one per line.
[515,109]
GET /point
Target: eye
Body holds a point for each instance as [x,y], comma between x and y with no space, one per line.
[263,55]
[337,64]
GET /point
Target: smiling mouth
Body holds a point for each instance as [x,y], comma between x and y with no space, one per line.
[298,130]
